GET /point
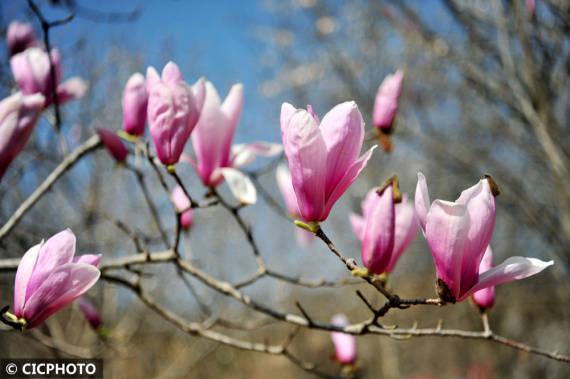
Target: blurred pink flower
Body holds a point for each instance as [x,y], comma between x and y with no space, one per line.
[322,156]
[387,99]
[344,344]
[49,278]
[18,116]
[385,230]
[31,69]
[173,110]
[458,234]
[182,202]
[19,37]
[113,143]
[90,312]
[135,101]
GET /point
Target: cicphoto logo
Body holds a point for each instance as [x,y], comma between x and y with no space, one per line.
[51,368]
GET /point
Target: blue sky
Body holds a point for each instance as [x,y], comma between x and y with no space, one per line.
[206,38]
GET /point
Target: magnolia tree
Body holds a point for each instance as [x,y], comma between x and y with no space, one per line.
[314,165]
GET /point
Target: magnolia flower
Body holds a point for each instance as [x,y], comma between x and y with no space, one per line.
[19,37]
[18,116]
[49,278]
[344,344]
[458,234]
[485,298]
[385,229]
[322,156]
[135,101]
[90,312]
[304,237]
[31,69]
[386,103]
[182,202]
[216,158]
[113,143]
[173,110]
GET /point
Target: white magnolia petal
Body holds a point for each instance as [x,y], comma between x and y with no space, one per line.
[514,268]
[241,186]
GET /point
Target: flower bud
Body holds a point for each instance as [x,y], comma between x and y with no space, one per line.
[19,37]
[135,101]
[182,202]
[113,143]
[344,344]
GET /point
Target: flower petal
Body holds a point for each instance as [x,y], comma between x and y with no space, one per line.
[343,132]
[287,111]
[211,136]
[378,236]
[64,284]
[71,89]
[514,268]
[90,259]
[152,78]
[406,228]
[480,204]
[243,154]
[422,201]
[285,184]
[346,181]
[171,74]
[199,91]
[485,298]
[241,186]
[447,225]
[231,108]
[56,251]
[306,154]
[25,270]
[357,223]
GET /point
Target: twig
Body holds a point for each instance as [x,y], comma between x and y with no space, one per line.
[88,146]
[45,28]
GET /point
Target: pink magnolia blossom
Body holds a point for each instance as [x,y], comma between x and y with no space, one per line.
[216,158]
[90,312]
[458,234]
[322,156]
[285,184]
[19,37]
[344,344]
[182,202]
[49,278]
[212,139]
[387,98]
[135,101]
[385,229]
[113,143]
[173,110]
[31,69]
[18,116]
[485,298]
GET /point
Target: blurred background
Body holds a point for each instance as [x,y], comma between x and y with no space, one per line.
[485,91]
